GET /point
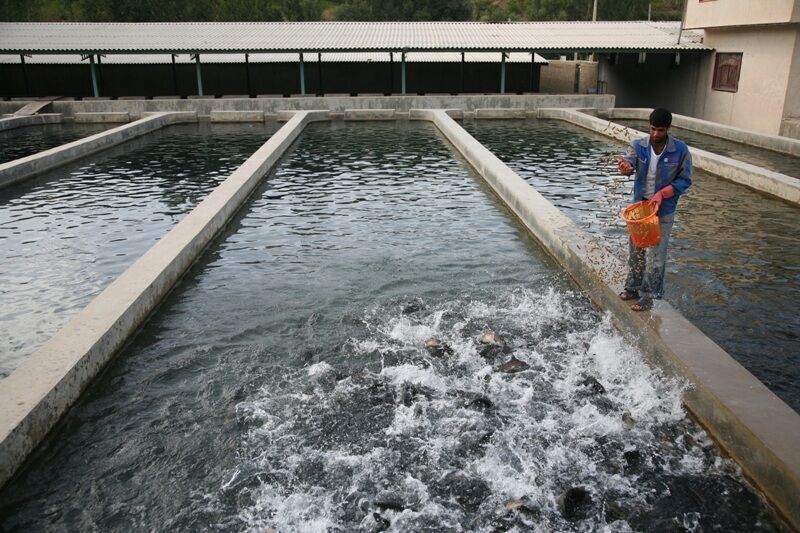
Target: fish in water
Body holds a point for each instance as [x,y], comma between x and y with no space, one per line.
[492,345]
[513,365]
[437,348]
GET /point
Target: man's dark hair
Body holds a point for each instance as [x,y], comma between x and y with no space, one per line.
[661,118]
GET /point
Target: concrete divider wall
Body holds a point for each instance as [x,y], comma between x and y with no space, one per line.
[9,123]
[27,167]
[103,118]
[748,421]
[757,178]
[44,386]
[775,143]
[203,107]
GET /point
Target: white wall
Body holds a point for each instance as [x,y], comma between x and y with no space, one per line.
[719,13]
[767,61]
[558,77]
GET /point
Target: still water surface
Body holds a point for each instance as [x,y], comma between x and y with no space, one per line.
[734,259]
[22,142]
[66,235]
[285,385]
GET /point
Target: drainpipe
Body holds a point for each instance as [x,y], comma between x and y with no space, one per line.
[683,21]
[391,72]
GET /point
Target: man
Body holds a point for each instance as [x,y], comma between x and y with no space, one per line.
[663,168]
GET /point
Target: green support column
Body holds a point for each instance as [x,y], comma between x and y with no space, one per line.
[174,76]
[461,85]
[503,73]
[199,74]
[94,76]
[319,73]
[247,72]
[25,75]
[391,73]
[403,73]
[533,68]
[302,75]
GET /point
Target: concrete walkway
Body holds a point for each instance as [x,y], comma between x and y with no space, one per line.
[10,123]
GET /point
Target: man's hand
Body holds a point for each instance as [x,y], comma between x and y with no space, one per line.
[666,192]
[624,166]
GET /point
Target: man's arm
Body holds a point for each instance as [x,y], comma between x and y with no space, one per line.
[625,164]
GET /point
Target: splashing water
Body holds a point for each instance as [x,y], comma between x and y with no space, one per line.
[410,441]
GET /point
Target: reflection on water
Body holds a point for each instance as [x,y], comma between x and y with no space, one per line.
[775,161]
[22,142]
[66,235]
[284,386]
[734,267]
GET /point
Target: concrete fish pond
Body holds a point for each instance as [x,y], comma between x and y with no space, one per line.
[69,232]
[291,382]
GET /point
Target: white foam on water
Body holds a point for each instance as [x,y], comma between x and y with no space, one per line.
[433,442]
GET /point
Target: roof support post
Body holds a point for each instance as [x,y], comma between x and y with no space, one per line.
[461,73]
[199,73]
[533,68]
[94,76]
[502,72]
[403,73]
[174,76]
[25,75]
[391,73]
[247,73]
[100,83]
[319,73]
[302,75]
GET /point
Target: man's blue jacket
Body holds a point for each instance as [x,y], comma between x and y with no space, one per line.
[674,168]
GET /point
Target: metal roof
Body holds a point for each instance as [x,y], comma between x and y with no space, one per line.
[266,37]
[293,57]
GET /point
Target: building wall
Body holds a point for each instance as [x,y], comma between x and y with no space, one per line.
[768,57]
[658,82]
[720,13]
[559,77]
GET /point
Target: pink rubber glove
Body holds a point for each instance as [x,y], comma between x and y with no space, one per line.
[666,192]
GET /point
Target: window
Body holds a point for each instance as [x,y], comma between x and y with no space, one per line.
[726,72]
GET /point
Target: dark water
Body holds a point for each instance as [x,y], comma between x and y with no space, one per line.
[284,385]
[22,142]
[775,161]
[734,267]
[66,235]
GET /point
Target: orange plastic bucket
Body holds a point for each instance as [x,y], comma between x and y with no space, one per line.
[642,220]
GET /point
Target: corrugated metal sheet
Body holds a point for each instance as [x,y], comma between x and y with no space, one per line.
[330,57]
[342,37]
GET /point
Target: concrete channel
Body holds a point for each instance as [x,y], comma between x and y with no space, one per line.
[11,122]
[27,167]
[766,181]
[747,420]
